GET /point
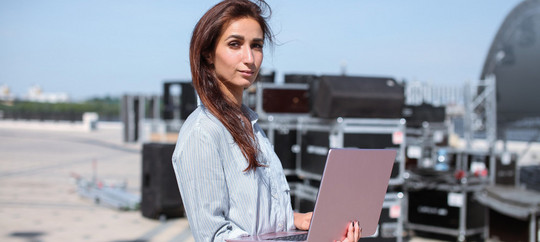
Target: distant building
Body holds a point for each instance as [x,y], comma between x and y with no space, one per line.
[5,94]
[417,93]
[36,94]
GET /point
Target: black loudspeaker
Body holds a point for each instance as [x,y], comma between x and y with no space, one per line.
[362,97]
[181,105]
[160,194]
[417,114]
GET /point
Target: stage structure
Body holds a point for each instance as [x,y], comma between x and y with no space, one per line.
[508,100]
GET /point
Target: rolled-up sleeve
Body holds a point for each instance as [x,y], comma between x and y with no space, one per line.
[201,179]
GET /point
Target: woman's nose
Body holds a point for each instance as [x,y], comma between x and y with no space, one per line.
[247,56]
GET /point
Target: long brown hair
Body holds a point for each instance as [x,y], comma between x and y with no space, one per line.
[203,42]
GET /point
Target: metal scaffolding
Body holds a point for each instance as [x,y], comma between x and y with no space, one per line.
[481,115]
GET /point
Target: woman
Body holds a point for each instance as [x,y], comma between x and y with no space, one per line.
[231,181]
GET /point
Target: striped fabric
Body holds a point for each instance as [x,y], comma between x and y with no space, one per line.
[221,200]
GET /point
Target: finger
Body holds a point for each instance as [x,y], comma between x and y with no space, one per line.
[305,225]
[350,232]
[356,231]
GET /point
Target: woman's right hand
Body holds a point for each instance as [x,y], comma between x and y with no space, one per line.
[353,234]
[302,220]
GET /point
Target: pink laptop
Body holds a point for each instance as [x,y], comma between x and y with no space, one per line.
[353,187]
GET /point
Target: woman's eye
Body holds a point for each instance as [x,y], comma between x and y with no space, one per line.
[257,46]
[234,44]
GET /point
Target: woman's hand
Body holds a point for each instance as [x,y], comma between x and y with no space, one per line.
[353,234]
[302,220]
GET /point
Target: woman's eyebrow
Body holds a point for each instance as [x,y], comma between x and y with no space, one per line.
[240,37]
[235,36]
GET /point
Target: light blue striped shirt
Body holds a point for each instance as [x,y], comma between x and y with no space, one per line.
[221,200]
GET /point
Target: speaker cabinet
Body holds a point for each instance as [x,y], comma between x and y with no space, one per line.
[362,97]
[160,194]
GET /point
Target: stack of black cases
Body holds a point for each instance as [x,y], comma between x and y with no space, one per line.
[445,209]
[302,143]
[316,136]
[441,201]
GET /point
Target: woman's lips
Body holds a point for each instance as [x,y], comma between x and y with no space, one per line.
[247,73]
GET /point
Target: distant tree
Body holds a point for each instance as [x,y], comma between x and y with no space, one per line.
[108,109]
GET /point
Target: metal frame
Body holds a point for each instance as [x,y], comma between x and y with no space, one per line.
[337,128]
[424,138]
[488,101]
[130,118]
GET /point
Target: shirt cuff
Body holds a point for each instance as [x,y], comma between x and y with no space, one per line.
[237,233]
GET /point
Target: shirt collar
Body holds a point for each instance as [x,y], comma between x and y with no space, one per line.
[250,114]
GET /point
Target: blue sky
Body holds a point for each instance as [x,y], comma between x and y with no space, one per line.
[101,47]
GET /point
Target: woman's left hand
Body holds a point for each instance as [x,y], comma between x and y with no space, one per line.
[302,220]
[354,232]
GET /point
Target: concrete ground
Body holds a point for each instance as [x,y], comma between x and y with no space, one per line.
[38,196]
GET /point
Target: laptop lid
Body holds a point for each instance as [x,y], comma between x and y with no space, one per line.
[352,188]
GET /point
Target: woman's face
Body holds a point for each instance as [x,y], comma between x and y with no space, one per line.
[239,53]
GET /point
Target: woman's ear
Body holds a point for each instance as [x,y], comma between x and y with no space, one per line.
[208,58]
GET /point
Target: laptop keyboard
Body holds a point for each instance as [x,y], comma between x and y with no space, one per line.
[296,237]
